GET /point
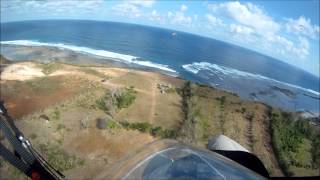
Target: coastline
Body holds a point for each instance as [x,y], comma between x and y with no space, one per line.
[72,90]
[41,52]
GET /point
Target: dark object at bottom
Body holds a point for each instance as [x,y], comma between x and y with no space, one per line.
[246,159]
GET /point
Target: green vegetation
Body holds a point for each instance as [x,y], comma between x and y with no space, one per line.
[315,151]
[191,113]
[112,124]
[113,101]
[59,158]
[125,98]
[101,103]
[56,114]
[142,127]
[222,101]
[148,128]
[204,128]
[291,142]
[50,67]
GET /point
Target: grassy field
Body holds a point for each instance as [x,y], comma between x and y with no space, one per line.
[65,104]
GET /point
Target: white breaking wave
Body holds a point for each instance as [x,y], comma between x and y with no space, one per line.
[218,69]
[101,53]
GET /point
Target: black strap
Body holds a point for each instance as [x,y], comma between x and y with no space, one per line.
[18,147]
[247,160]
[27,160]
[13,160]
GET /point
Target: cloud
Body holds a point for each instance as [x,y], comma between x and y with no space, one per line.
[249,24]
[132,9]
[303,27]
[183,8]
[214,21]
[155,16]
[50,6]
[247,14]
[179,17]
[145,3]
[239,29]
[303,50]
[127,9]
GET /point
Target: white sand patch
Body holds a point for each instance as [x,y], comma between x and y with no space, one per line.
[21,72]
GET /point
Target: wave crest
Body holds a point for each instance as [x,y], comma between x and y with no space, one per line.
[231,72]
[101,53]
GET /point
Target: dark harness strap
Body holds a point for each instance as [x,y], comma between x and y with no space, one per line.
[7,155]
[18,147]
[27,160]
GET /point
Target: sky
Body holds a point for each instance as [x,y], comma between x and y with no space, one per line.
[286,30]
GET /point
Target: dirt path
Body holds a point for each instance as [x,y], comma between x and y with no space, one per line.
[249,135]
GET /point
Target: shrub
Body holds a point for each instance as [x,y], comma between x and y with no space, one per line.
[126,98]
[287,137]
[56,114]
[304,127]
[156,131]
[315,151]
[101,104]
[58,158]
[168,134]
[125,124]
[112,124]
[142,127]
[112,101]
[221,99]
[148,128]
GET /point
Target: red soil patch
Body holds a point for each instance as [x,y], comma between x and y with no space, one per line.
[20,99]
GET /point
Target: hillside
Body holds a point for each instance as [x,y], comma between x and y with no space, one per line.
[84,119]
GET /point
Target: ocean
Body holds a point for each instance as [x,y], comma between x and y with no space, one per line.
[225,66]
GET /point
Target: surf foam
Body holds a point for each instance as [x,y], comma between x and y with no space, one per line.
[218,69]
[85,50]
